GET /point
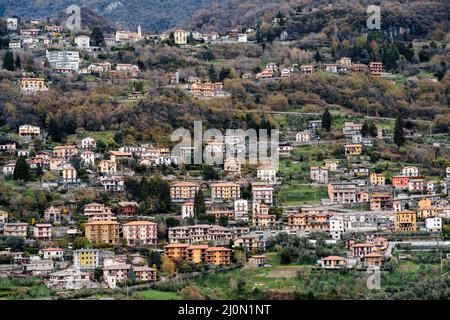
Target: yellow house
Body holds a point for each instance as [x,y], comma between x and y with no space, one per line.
[377,179]
[30,85]
[102,231]
[180,36]
[176,251]
[405,221]
[218,256]
[86,259]
[424,203]
[197,253]
[353,149]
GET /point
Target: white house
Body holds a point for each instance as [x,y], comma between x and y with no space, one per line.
[83,42]
[87,157]
[52,253]
[337,227]
[241,209]
[304,136]
[319,174]
[267,173]
[410,171]
[187,210]
[433,224]
[88,143]
[8,169]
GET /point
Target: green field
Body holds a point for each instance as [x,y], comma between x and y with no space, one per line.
[292,194]
[151,294]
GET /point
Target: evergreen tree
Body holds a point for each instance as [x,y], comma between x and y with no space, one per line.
[97,37]
[317,56]
[190,38]
[373,130]
[212,73]
[199,204]
[55,130]
[143,189]
[326,120]
[399,135]
[8,61]
[29,65]
[365,129]
[258,36]
[132,276]
[22,170]
[18,63]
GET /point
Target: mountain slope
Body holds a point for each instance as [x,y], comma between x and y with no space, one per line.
[152,15]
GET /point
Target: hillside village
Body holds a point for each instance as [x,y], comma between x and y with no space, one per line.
[86,211]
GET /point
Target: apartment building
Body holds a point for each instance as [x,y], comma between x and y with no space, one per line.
[264,221]
[63,59]
[218,256]
[252,243]
[225,191]
[86,259]
[17,229]
[98,212]
[65,152]
[42,231]
[140,232]
[102,231]
[183,190]
[308,221]
[405,221]
[342,192]
[262,192]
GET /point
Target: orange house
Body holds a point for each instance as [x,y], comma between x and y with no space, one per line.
[400,182]
[176,251]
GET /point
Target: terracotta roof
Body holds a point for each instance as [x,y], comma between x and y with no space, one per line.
[333,258]
[139,223]
[176,245]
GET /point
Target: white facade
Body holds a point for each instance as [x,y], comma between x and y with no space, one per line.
[410,171]
[83,42]
[187,210]
[433,224]
[12,23]
[63,59]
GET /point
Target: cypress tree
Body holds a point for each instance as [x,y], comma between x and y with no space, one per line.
[18,63]
[22,170]
[199,204]
[399,134]
[365,129]
[326,120]
[8,61]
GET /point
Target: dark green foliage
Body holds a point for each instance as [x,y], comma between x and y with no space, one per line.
[399,135]
[326,120]
[97,38]
[22,170]
[8,61]
[17,244]
[199,204]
